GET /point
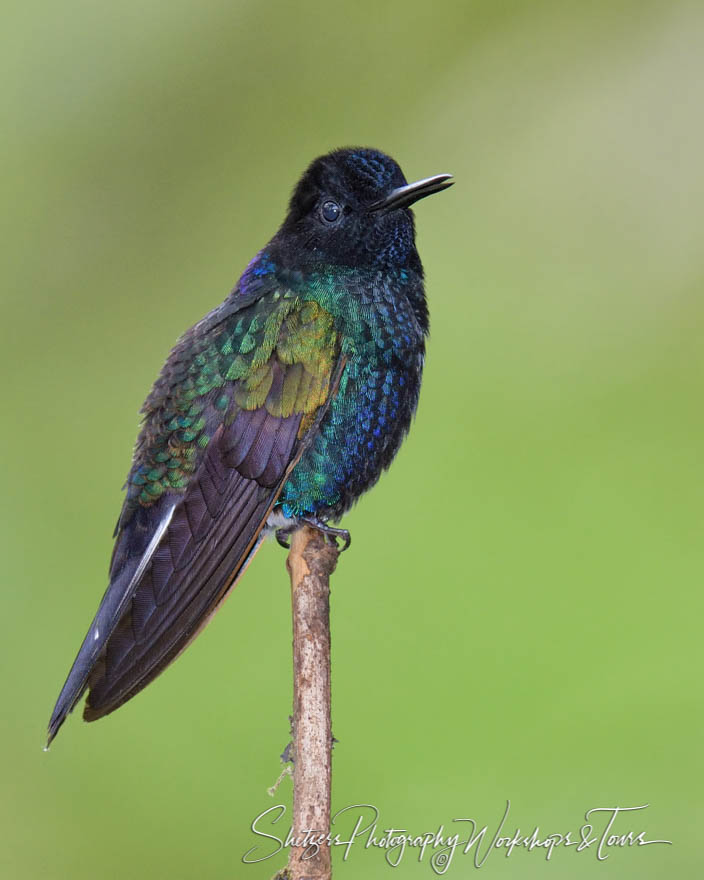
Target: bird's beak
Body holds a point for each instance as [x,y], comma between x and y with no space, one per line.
[403,196]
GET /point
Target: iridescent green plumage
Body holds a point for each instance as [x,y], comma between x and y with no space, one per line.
[219,370]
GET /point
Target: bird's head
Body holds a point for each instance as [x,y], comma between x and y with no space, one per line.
[351,207]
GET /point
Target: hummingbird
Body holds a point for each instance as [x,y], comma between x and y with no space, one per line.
[280,407]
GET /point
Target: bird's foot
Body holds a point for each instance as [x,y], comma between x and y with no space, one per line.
[332,534]
[283,535]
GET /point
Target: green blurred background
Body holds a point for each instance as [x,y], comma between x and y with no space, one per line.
[519,616]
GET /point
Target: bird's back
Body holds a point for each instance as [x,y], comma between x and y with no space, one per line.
[236,405]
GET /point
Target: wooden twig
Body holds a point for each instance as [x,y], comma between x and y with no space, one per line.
[310,563]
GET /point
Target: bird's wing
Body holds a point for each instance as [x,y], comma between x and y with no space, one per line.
[231,413]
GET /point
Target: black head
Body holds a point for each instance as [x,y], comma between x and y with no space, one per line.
[352,207]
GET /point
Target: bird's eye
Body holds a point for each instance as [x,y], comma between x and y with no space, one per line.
[330,211]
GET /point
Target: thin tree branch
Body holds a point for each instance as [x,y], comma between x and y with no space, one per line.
[310,563]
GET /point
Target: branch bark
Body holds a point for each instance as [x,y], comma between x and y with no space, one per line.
[311,561]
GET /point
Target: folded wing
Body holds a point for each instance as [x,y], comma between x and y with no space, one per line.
[231,413]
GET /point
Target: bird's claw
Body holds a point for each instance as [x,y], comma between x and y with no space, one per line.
[331,533]
[282,537]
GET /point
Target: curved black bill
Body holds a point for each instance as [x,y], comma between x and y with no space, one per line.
[403,196]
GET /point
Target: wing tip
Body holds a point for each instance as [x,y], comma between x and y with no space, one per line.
[51,732]
[61,713]
[58,717]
